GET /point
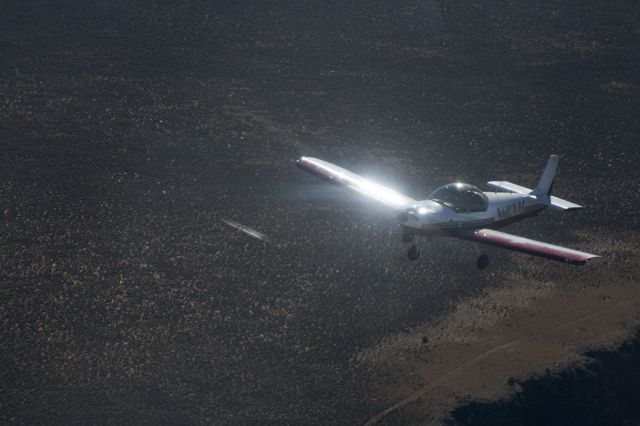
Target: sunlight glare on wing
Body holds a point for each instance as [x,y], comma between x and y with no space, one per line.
[378,191]
[356,182]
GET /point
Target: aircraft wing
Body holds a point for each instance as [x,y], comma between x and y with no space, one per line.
[525,245]
[338,175]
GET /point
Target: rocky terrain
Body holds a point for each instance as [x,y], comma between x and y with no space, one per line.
[131,130]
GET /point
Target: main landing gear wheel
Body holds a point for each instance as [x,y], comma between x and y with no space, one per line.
[483,261]
[414,252]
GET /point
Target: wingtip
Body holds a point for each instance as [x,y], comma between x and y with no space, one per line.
[593,258]
[305,159]
[300,163]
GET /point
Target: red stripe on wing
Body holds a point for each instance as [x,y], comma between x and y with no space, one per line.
[526,245]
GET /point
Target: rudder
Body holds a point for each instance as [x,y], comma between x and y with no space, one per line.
[546,181]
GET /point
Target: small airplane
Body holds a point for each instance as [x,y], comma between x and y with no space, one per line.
[463,211]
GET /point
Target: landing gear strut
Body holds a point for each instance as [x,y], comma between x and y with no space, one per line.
[414,252]
[483,261]
[407,236]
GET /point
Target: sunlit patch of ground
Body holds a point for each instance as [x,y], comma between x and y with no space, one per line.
[526,327]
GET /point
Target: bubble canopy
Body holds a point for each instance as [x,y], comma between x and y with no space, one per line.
[461,197]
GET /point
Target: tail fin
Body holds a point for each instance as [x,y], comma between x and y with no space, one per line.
[542,193]
[546,181]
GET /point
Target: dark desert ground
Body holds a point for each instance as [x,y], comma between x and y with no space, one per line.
[131,129]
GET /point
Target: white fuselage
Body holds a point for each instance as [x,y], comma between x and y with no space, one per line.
[428,217]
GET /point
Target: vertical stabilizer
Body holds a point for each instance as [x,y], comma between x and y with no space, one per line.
[546,181]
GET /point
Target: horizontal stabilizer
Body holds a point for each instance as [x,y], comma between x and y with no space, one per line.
[548,200]
[509,187]
[555,202]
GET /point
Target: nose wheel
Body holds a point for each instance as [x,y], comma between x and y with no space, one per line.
[483,261]
[414,252]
